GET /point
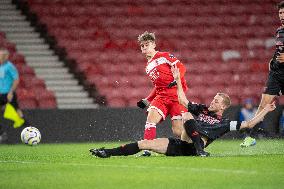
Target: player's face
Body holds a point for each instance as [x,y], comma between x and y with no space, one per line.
[281,16]
[216,104]
[3,57]
[147,47]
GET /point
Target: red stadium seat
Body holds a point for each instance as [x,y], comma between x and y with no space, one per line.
[42,94]
[101,37]
[33,82]
[26,70]
[47,104]
[117,102]
[28,104]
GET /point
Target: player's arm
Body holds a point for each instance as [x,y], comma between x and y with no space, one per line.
[143,103]
[181,68]
[14,85]
[174,62]
[270,62]
[182,71]
[181,95]
[259,117]
[152,95]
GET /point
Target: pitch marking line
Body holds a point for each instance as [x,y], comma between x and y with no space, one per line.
[139,167]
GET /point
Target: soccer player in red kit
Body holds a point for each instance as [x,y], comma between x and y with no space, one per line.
[163,99]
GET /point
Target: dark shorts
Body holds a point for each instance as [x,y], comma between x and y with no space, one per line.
[274,86]
[4,100]
[177,147]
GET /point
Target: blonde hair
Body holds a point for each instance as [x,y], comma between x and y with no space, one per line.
[5,51]
[146,36]
[226,99]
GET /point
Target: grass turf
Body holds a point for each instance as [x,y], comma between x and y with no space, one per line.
[71,166]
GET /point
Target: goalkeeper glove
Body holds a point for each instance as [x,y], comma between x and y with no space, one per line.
[143,103]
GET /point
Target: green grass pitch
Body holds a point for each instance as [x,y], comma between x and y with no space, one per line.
[71,166]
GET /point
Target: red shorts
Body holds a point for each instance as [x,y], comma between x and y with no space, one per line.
[167,106]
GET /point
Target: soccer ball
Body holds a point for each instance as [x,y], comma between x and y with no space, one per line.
[30,136]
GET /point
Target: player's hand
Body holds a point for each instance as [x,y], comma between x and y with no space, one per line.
[143,103]
[280,58]
[270,107]
[10,96]
[175,72]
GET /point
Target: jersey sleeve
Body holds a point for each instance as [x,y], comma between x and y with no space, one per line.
[235,125]
[152,95]
[172,60]
[13,72]
[181,68]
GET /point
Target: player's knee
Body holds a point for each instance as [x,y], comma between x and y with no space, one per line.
[177,130]
[187,116]
[177,127]
[154,116]
[143,144]
[146,144]
[189,125]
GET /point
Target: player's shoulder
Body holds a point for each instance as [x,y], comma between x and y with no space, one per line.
[167,55]
[162,54]
[280,28]
[226,120]
[8,63]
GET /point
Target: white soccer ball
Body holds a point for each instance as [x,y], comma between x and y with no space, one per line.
[30,136]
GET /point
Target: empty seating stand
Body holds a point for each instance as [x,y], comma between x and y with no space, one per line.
[102,37]
[29,83]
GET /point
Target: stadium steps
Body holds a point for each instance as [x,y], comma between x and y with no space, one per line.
[38,55]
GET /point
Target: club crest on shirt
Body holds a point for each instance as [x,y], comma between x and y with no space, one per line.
[172,56]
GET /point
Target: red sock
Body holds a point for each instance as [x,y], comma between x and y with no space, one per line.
[150,131]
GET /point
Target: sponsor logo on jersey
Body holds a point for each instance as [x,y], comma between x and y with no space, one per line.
[278,43]
[154,74]
[208,119]
[151,65]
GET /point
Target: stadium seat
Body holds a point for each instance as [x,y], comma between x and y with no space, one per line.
[28,104]
[117,102]
[47,104]
[33,82]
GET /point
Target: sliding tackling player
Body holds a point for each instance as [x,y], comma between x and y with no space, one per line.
[202,125]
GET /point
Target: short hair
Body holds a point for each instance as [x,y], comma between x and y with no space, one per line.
[226,99]
[4,50]
[146,36]
[280,5]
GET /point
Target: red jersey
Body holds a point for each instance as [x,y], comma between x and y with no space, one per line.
[159,71]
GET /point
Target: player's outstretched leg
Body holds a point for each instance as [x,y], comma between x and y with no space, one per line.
[124,150]
[249,141]
[99,152]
